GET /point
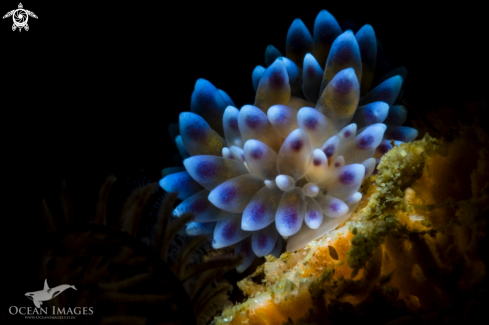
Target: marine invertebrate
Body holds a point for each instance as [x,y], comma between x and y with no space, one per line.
[126,273]
[413,252]
[299,154]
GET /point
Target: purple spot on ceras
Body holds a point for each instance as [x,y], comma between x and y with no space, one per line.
[310,123]
[384,147]
[262,241]
[206,169]
[233,123]
[207,101]
[228,194]
[296,145]
[337,164]
[335,207]
[365,141]
[311,71]
[370,116]
[316,161]
[329,150]
[258,212]
[344,53]
[276,80]
[195,131]
[347,177]
[347,133]
[228,232]
[290,217]
[282,118]
[199,206]
[383,91]
[312,214]
[343,86]
[253,121]
[256,153]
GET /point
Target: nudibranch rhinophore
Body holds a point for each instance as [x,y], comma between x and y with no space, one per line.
[289,166]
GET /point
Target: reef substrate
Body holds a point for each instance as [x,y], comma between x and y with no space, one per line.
[412,252]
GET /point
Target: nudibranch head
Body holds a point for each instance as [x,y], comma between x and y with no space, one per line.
[289,166]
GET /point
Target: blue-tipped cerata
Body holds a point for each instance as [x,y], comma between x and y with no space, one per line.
[289,166]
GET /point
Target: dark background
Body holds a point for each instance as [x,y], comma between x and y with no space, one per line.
[90,89]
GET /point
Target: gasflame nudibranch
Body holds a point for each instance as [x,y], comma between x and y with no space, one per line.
[289,166]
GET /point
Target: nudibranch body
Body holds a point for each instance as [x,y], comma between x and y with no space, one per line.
[289,166]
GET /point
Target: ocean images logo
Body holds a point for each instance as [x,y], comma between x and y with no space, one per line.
[20,17]
[46,294]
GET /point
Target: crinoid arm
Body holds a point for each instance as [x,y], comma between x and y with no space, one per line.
[30,13]
[203,293]
[8,14]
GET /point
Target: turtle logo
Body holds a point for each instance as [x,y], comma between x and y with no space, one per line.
[20,17]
